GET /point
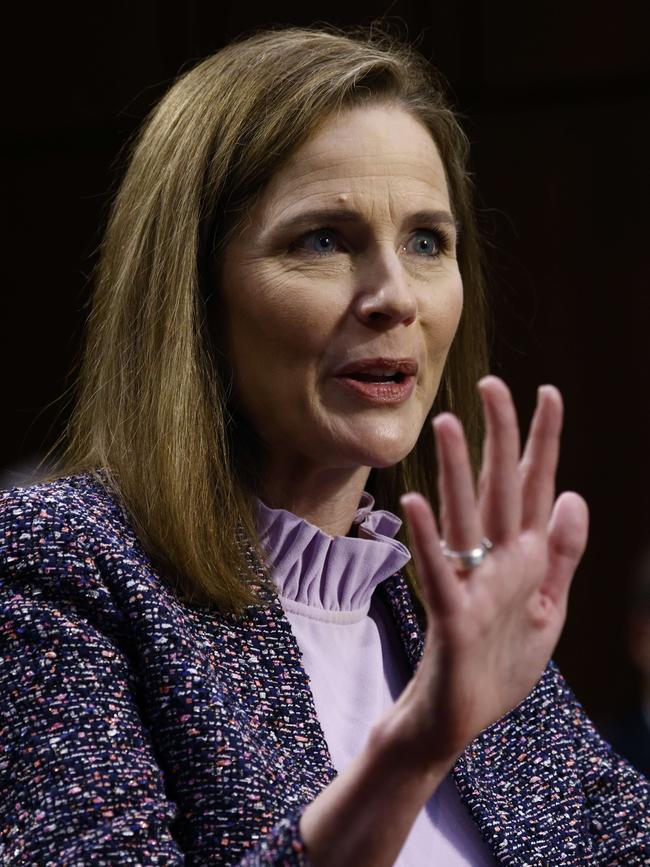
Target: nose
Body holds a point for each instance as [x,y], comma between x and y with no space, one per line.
[383,297]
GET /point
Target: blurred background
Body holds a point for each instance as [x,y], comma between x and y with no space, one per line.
[555,98]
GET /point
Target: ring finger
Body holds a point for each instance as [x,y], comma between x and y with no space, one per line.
[460,519]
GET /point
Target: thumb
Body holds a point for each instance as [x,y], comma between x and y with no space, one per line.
[568,529]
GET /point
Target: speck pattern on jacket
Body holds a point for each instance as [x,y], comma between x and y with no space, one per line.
[136,729]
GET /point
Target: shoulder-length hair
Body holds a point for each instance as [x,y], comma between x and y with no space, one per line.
[152,405]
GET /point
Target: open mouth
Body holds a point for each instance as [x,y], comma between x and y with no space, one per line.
[374,377]
[379,388]
[379,381]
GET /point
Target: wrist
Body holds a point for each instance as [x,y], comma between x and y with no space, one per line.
[384,789]
[405,757]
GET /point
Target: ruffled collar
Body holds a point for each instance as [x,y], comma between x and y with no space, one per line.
[332,573]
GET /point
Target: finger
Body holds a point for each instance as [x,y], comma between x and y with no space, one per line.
[462,523]
[567,540]
[443,521]
[438,582]
[500,491]
[539,462]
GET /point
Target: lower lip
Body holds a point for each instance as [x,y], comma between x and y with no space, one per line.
[380,392]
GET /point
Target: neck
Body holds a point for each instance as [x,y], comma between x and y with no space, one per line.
[327,498]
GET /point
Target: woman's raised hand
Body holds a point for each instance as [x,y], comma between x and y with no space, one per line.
[492,629]
[490,633]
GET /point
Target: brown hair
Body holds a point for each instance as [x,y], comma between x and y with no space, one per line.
[151,408]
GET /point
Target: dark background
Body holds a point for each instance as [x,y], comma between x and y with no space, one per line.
[555,99]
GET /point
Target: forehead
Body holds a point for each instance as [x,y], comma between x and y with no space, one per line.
[372,153]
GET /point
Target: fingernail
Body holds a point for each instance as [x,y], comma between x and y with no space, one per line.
[439,419]
[544,389]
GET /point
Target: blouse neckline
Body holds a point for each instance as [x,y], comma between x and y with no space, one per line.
[330,577]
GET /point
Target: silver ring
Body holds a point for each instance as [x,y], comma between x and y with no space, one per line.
[471,558]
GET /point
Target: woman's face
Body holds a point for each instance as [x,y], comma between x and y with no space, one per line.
[348,258]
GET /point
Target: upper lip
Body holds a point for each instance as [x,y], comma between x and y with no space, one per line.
[384,365]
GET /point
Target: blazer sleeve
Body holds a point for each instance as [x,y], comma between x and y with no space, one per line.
[79,780]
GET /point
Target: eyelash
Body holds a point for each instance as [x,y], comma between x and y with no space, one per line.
[443,239]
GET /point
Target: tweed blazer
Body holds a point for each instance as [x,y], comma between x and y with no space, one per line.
[137,729]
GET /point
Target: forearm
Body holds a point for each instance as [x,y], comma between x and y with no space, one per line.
[364,816]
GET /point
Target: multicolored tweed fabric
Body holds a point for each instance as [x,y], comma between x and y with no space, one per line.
[138,730]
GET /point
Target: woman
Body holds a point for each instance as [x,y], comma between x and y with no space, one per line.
[216,648]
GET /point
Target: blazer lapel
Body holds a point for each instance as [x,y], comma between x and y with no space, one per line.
[289,719]
[518,778]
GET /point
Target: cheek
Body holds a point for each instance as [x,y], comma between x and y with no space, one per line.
[441,314]
[276,326]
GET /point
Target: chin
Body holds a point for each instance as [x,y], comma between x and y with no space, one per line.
[380,454]
[388,461]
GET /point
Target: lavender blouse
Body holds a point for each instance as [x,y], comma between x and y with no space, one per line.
[353,656]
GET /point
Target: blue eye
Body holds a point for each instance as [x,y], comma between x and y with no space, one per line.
[426,242]
[320,241]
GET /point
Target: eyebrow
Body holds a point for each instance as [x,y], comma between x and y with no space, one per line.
[346,215]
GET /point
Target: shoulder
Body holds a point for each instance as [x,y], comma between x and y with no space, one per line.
[554,741]
[69,560]
[545,765]
[558,723]
[553,710]
[60,526]
[80,496]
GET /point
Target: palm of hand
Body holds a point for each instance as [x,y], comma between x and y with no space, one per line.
[491,630]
